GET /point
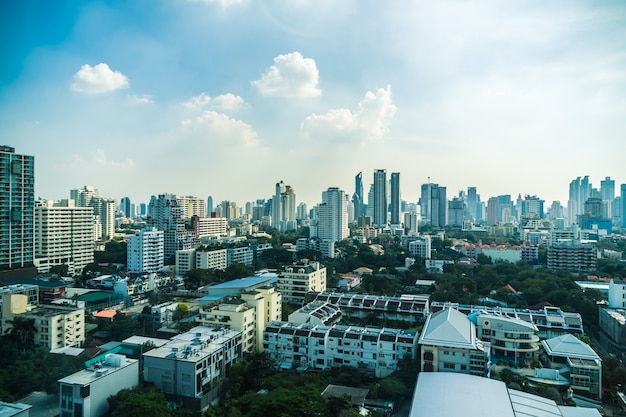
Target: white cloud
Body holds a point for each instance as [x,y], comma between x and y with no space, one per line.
[292,75]
[222,3]
[222,129]
[145,99]
[98,79]
[100,159]
[226,101]
[369,122]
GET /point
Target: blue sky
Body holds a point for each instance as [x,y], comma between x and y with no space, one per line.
[228,97]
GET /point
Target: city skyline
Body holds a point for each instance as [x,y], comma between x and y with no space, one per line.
[227,98]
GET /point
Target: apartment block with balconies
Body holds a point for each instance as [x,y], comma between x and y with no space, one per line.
[511,339]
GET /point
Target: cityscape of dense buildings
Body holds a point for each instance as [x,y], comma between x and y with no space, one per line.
[322,327]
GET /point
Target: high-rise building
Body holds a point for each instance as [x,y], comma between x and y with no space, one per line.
[380,198]
[579,192]
[532,208]
[333,216]
[456,208]
[623,205]
[438,206]
[395,198]
[125,207]
[165,214]
[424,200]
[17,205]
[357,197]
[472,203]
[145,251]
[192,206]
[607,191]
[209,206]
[284,208]
[103,210]
[64,235]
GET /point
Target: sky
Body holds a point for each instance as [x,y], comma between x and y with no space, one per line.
[228,97]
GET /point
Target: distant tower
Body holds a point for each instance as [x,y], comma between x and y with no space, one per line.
[125,207]
[380,198]
[607,189]
[333,216]
[209,206]
[472,203]
[284,208]
[357,198]
[395,198]
[425,201]
[438,205]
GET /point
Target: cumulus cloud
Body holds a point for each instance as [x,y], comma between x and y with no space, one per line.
[292,75]
[100,159]
[226,101]
[369,122]
[98,79]
[222,128]
[145,99]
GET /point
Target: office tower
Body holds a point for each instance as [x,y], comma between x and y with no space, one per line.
[103,210]
[438,206]
[302,212]
[145,251]
[165,214]
[456,208]
[209,206]
[579,192]
[424,200]
[380,198]
[532,208]
[333,216]
[607,191]
[472,202]
[411,222]
[369,209]
[228,210]
[284,208]
[143,209]
[492,210]
[125,207]
[64,235]
[623,205]
[504,203]
[395,198]
[357,197]
[17,203]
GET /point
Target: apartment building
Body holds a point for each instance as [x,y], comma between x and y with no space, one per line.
[64,235]
[449,343]
[550,321]
[298,279]
[573,255]
[85,393]
[209,226]
[145,251]
[376,352]
[511,339]
[191,367]
[408,308]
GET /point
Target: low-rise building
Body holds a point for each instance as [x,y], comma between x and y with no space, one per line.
[448,343]
[316,312]
[85,393]
[191,367]
[572,255]
[511,339]
[376,352]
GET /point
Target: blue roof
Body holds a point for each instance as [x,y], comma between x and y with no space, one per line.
[243,282]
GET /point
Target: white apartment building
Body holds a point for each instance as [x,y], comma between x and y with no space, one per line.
[209,226]
[332,223]
[511,339]
[55,326]
[145,251]
[373,351]
[248,314]
[64,235]
[191,367]
[421,247]
[85,393]
[617,294]
[192,206]
[299,278]
[448,343]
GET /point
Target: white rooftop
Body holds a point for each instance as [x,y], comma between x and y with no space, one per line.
[569,346]
[448,327]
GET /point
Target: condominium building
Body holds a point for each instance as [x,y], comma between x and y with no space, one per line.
[550,321]
[55,326]
[86,392]
[296,280]
[248,313]
[103,210]
[209,226]
[572,255]
[192,206]
[191,368]
[448,343]
[332,223]
[145,251]
[167,215]
[284,208]
[511,339]
[421,247]
[379,202]
[396,199]
[376,352]
[17,203]
[63,235]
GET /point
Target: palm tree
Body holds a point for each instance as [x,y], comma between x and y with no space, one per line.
[22,330]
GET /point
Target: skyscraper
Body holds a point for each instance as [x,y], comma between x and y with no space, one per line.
[165,214]
[125,207]
[438,206]
[395,198]
[17,205]
[103,210]
[623,205]
[607,191]
[209,206]
[424,201]
[333,216]
[357,197]
[472,203]
[284,208]
[380,198]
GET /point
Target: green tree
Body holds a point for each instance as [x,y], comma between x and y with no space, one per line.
[141,401]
